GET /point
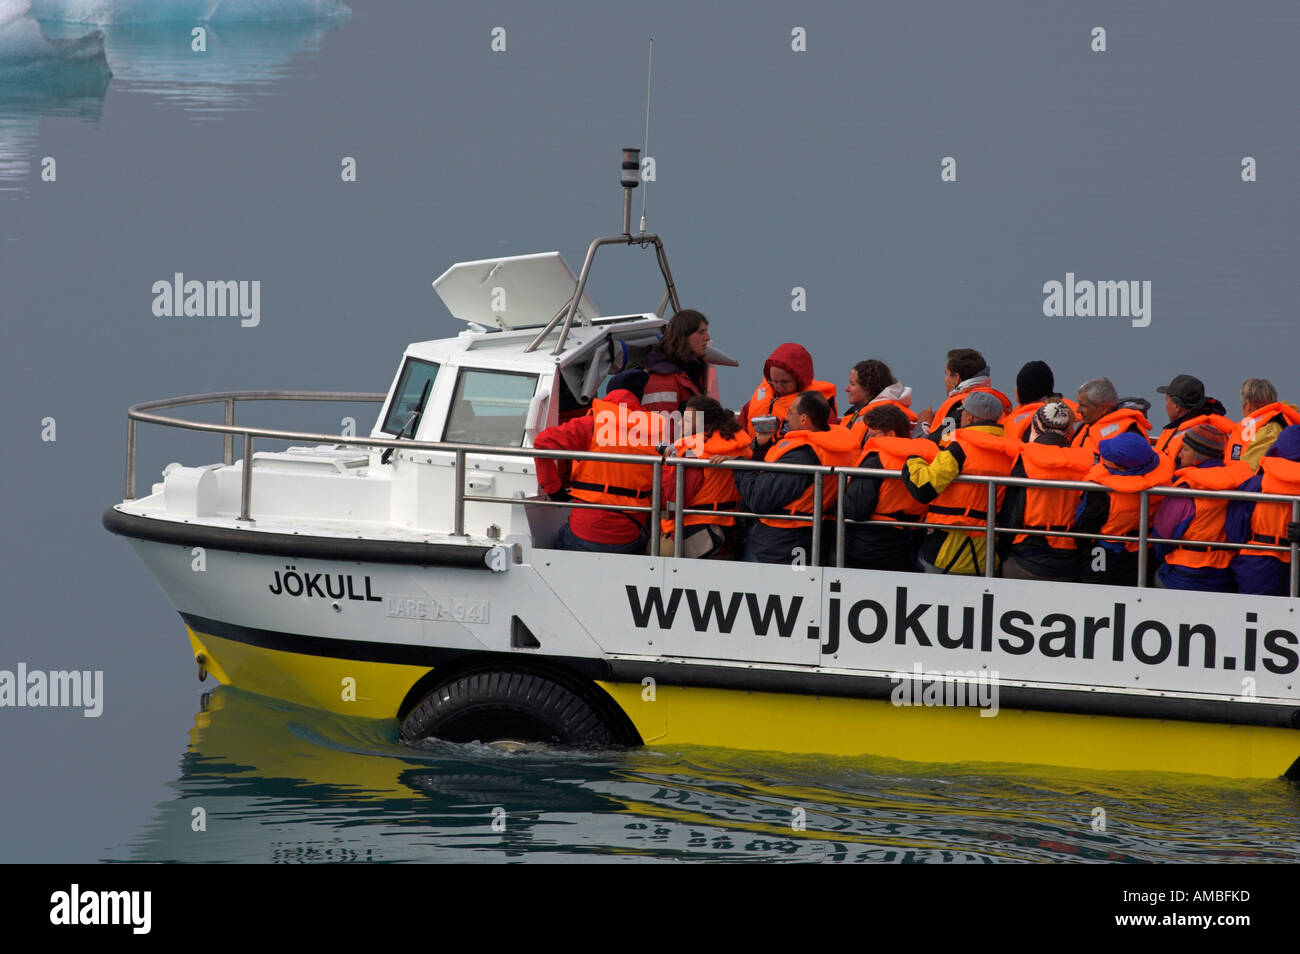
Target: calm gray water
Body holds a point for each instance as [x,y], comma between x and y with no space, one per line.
[776,169]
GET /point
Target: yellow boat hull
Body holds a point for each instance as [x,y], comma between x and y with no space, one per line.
[787,722]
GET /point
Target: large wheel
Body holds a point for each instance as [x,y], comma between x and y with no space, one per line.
[495,705]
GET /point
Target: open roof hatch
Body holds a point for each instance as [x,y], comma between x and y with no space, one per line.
[519,291]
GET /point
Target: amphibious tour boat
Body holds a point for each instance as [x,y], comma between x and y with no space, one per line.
[410,575]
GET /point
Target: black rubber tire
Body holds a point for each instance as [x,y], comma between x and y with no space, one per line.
[495,705]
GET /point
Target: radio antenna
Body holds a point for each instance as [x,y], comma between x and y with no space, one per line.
[646,150]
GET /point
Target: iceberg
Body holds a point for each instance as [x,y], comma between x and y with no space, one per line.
[29,59]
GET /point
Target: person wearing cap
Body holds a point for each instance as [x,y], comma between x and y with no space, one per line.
[964,372]
[873,377]
[1263,417]
[1127,466]
[1188,407]
[787,373]
[884,500]
[810,438]
[1047,457]
[978,447]
[1197,521]
[616,425]
[1102,415]
[1035,386]
[1267,572]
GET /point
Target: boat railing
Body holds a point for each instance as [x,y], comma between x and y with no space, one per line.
[147,413]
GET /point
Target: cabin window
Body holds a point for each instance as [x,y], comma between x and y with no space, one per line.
[409,394]
[490,407]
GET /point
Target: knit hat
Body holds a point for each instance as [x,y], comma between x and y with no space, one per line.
[982,406]
[1127,452]
[1053,416]
[1206,439]
[1035,382]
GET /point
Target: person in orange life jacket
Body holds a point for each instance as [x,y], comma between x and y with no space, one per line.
[719,437]
[603,531]
[786,374]
[965,371]
[810,439]
[1035,386]
[978,447]
[1263,418]
[1103,414]
[1127,465]
[1187,406]
[873,377]
[878,546]
[1198,520]
[1047,456]
[1266,572]
[676,365]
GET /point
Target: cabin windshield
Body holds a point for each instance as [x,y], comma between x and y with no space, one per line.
[416,374]
[490,407]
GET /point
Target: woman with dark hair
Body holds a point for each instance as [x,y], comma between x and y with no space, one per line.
[871,384]
[676,364]
[713,433]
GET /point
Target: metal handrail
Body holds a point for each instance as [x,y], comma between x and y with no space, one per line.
[142,413]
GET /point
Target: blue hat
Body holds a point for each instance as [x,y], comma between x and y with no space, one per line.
[1128,451]
[1287,445]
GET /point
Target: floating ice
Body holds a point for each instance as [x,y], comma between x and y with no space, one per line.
[186,11]
[27,55]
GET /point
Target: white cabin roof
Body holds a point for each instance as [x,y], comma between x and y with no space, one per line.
[505,349]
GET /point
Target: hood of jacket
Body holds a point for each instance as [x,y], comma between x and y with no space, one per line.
[895,392]
[795,360]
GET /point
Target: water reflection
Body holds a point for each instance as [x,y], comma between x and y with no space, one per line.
[57,60]
[276,782]
[242,61]
[42,77]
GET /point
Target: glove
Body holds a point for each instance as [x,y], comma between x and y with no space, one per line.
[1293,532]
[560,496]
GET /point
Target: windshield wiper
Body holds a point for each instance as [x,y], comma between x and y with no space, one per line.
[412,421]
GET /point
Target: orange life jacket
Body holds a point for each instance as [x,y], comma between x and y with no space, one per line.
[1051,509]
[765,403]
[1170,442]
[1117,422]
[1016,421]
[718,491]
[1125,504]
[834,447]
[1268,522]
[857,421]
[619,431]
[1243,433]
[965,504]
[893,502]
[940,414]
[1208,521]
